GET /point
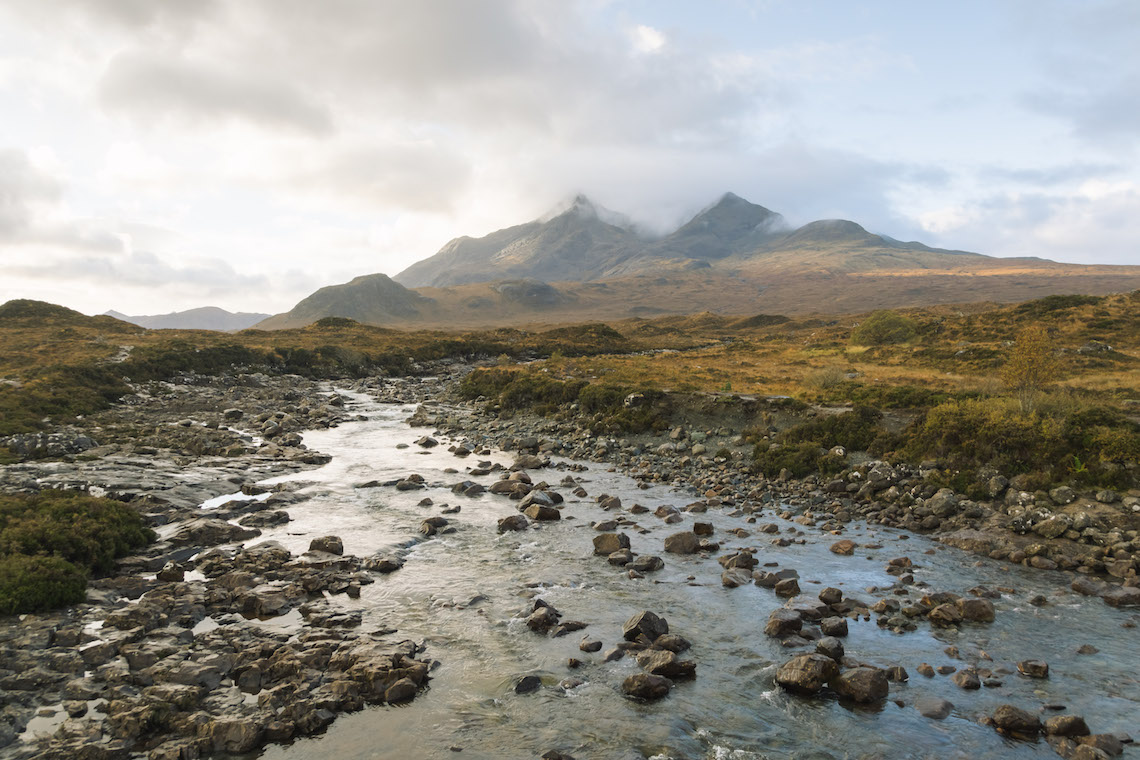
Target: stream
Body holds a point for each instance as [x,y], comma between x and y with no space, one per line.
[462,594]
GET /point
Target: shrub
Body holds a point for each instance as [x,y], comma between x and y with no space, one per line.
[883,328]
[35,584]
[854,430]
[1031,366]
[800,459]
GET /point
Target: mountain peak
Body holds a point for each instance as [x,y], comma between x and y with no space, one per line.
[579,206]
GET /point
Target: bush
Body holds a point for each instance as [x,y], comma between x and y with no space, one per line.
[800,459]
[854,430]
[883,328]
[35,584]
[50,539]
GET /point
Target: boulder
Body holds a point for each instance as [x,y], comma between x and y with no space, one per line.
[327,544]
[976,610]
[1033,668]
[807,673]
[646,686]
[513,522]
[542,512]
[685,542]
[608,543]
[933,707]
[646,624]
[1066,725]
[783,622]
[863,684]
[1015,722]
[845,547]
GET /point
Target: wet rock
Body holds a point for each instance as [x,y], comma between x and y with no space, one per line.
[863,684]
[945,615]
[646,686]
[646,624]
[383,563]
[542,513]
[590,645]
[976,610]
[608,543]
[844,547]
[672,641]
[431,525]
[327,544]
[830,646]
[788,587]
[513,522]
[542,619]
[966,679]
[833,626]
[1015,722]
[1033,668]
[897,673]
[1122,596]
[236,735]
[736,577]
[646,563]
[268,519]
[831,595]
[527,684]
[1066,725]
[685,542]
[807,673]
[783,622]
[171,572]
[933,707]
[663,662]
[208,531]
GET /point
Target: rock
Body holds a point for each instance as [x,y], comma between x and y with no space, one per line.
[542,619]
[662,662]
[783,622]
[608,543]
[944,503]
[862,684]
[513,522]
[685,542]
[327,544]
[1053,527]
[645,624]
[431,525]
[671,641]
[933,707]
[171,572]
[646,563]
[830,646]
[945,615]
[383,563]
[1066,725]
[846,547]
[833,626]
[806,673]
[787,588]
[976,610]
[527,684]
[402,690]
[831,595]
[590,645]
[208,531]
[735,577]
[1033,668]
[897,673]
[1015,722]
[702,528]
[1062,495]
[966,679]
[541,512]
[1122,596]
[236,735]
[646,686]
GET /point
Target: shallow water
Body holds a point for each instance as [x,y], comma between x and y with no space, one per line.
[461,594]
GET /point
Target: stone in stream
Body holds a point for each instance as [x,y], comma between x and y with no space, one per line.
[933,707]
[426,442]
[513,522]
[646,624]
[662,662]
[383,563]
[863,684]
[646,563]
[685,542]
[431,525]
[527,684]
[787,588]
[945,615]
[806,673]
[1033,668]
[967,679]
[783,622]
[590,645]
[1122,596]
[327,544]
[831,595]
[542,619]
[606,544]
[646,686]
[735,577]
[845,547]
[620,558]
[976,610]
[541,512]
[833,626]
[1013,721]
[897,673]
[830,646]
[672,641]
[1066,725]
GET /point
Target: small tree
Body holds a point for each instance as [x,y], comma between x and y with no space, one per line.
[882,328]
[1031,366]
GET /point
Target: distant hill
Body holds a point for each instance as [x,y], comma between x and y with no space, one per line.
[204,318]
[373,299]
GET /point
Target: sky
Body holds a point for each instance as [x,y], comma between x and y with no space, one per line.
[159,155]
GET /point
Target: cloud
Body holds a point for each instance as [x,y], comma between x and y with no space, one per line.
[1095,223]
[153,86]
[23,188]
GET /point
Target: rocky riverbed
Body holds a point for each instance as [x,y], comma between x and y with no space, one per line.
[516,564]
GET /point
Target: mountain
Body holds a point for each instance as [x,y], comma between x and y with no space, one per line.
[372,298]
[583,262]
[204,318]
[581,242]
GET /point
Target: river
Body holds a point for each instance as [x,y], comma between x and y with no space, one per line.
[462,594]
